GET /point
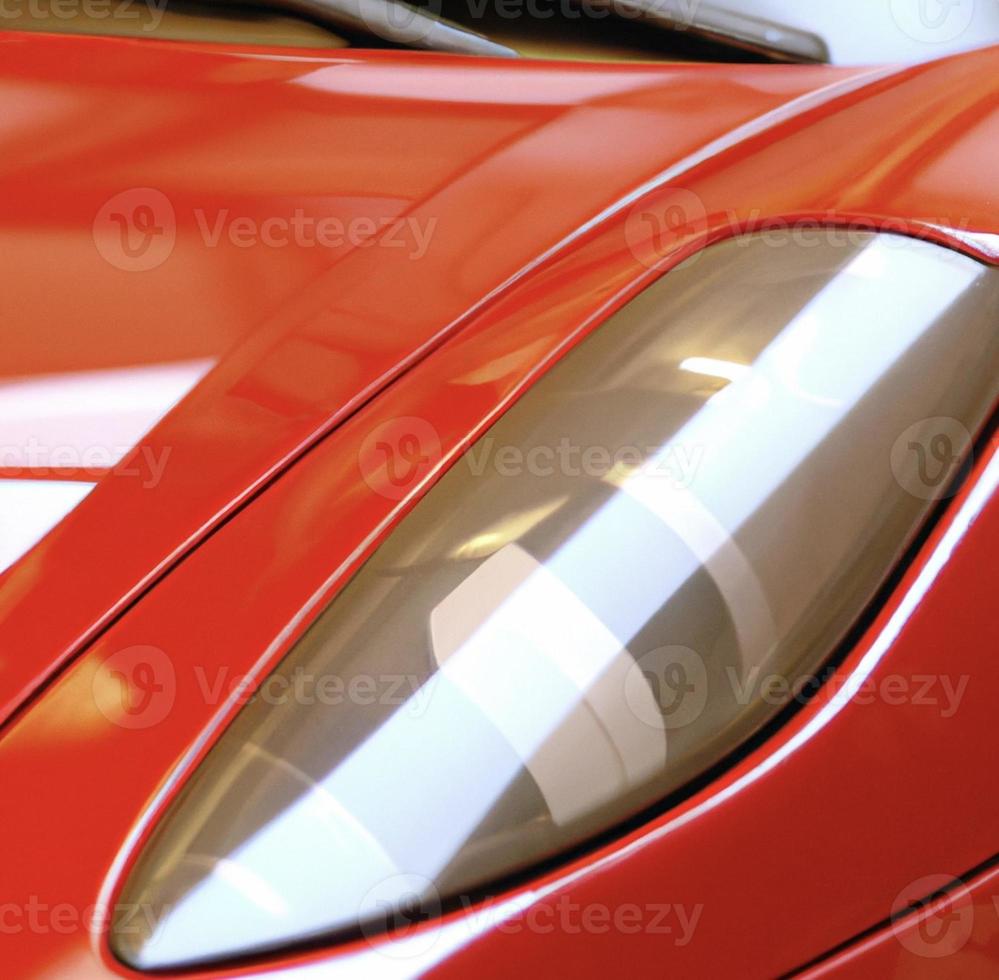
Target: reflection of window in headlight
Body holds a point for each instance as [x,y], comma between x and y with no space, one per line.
[714,367]
[555,624]
[546,673]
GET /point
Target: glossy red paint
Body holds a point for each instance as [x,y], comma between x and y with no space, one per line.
[308,337]
[304,334]
[886,147]
[955,937]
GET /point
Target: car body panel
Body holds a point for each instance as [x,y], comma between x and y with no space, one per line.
[953,936]
[302,334]
[841,767]
[311,336]
[501,296]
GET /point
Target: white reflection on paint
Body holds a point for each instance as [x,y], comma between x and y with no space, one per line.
[80,420]
[48,417]
[29,509]
[510,680]
[469,86]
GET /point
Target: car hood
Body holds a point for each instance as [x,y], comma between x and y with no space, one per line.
[215,256]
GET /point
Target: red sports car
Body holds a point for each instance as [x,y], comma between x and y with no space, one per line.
[467,515]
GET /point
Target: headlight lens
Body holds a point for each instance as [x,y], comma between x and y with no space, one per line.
[707,491]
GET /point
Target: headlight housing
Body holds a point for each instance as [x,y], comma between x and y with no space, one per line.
[707,491]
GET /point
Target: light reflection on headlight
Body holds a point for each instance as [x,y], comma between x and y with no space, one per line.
[585,642]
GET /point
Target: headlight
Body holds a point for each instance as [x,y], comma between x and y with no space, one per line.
[707,491]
